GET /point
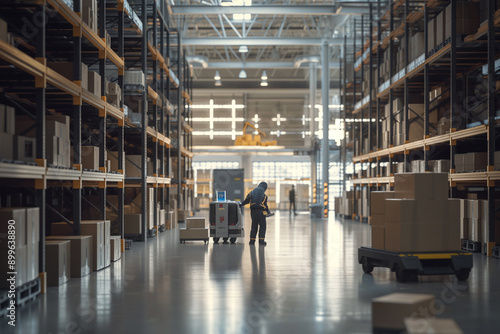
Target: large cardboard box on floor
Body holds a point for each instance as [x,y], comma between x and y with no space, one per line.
[116,247]
[194,233]
[58,261]
[93,228]
[428,325]
[81,253]
[195,222]
[389,312]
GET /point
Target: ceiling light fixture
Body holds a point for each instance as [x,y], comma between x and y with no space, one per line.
[217,76]
[226,2]
[264,75]
[243,74]
[243,49]
[218,83]
[264,83]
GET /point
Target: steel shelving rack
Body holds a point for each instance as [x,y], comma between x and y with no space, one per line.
[449,64]
[140,34]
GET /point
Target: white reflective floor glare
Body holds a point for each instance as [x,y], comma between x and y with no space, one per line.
[306,280]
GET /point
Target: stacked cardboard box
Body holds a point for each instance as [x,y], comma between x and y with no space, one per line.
[66,70]
[377,218]
[390,311]
[135,78]
[116,247]
[100,232]
[474,221]
[90,14]
[114,94]
[467,18]
[81,253]
[195,229]
[27,236]
[421,218]
[59,266]
[7,130]
[57,139]
[94,83]
[470,162]
[161,217]
[90,157]
[417,45]
[182,215]
[418,166]
[439,166]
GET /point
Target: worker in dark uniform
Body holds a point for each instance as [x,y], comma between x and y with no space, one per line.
[291,197]
[257,199]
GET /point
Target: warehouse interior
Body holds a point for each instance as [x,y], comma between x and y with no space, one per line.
[131,130]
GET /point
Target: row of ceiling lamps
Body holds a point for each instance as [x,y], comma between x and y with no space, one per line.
[242,75]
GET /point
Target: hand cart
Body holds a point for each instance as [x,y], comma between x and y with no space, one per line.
[409,265]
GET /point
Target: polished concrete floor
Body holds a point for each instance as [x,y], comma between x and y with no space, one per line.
[306,280]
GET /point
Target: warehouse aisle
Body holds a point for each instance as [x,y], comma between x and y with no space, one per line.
[306,280]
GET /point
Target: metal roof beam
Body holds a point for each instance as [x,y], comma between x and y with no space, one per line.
[268,10]
[259,41]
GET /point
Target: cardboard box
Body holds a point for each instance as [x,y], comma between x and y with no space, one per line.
[431,35]
[18,215]
[389,311]
[66,70]
[24,148]
[195,222]
[90,157]
[428,325]
[466,18]
[378,237]
[421,186]
[116,247]
[7,147]
[132,224]
[94,83]
[58,263]
[134,77]
[475,161]
[421,237]
[81,253]
[377,201]
[89,14]
[92,228]
[194,233]
[401,210]
[440,21]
